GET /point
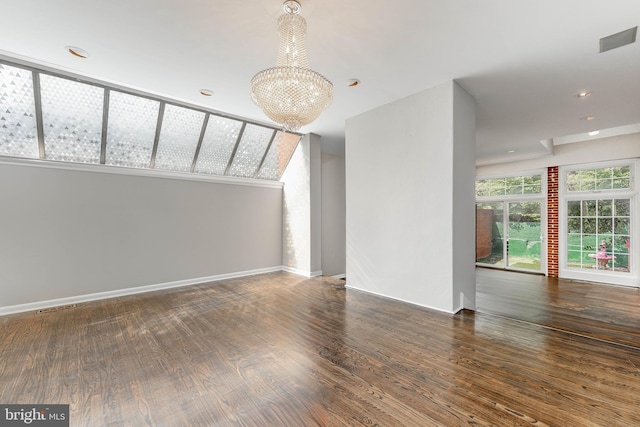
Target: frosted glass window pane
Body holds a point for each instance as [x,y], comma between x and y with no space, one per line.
[179,137]
[255,140]
[72,117]
[131,130]
[18,132]
[278,155]
[219,139]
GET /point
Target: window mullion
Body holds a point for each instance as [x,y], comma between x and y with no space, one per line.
[105,124]
[39,123]
[156,139]
[202,132]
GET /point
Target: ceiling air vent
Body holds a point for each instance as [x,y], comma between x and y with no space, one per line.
[617,40]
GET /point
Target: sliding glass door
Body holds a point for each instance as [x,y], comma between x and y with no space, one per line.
[509,235]
[524,235]
[510,222]
[490,248]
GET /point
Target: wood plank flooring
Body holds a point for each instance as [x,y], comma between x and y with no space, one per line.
[605,312]
[280,350]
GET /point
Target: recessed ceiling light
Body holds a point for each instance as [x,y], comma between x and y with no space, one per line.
[353,82]
[76,51]
[511,151]
[593,133]
[206,92]
[583,94]
[589,118]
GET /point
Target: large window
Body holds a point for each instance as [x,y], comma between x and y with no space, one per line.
[509,186]
[51,117]
[598,234]
[510,222]
[605,178]
[598,205]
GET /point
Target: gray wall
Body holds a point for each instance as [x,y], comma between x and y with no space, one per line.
[333,215]
[67,232]
[409,184]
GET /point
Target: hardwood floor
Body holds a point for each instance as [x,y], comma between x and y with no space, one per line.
[277,349]
[605,312]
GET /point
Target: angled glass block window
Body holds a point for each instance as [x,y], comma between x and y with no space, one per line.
[72,129]
[131,130]
[253,144]
[278,156]
[72,118]
[18,132]
[219,139]
[179,137]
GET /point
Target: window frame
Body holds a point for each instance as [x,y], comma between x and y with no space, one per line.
[524,197]
[541,197]
[597,275]
[106,87]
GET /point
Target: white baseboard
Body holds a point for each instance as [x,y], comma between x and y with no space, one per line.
[401,300]
[39,305]
[301,272]
[340,276]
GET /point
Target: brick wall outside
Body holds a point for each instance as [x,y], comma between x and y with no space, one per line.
[552,221]
[484,227]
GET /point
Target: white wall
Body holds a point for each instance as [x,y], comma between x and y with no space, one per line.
[302,210]
[464,219]
[316,203]
[67,233]
[333,215]
[594,150]
[401,165]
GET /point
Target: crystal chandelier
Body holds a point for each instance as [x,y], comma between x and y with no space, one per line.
[291,94]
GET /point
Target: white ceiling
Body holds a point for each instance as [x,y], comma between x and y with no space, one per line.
[523,61]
